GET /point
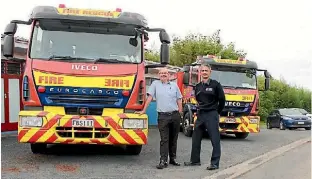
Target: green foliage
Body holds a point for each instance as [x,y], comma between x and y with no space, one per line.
[185,50]
[281,95]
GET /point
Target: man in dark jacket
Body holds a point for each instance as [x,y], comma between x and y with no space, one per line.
[211,101]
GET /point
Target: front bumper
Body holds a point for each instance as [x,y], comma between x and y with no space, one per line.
[299,125]
[106,130]
[249,124]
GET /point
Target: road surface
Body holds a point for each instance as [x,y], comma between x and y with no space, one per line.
[295,163]
[109,163]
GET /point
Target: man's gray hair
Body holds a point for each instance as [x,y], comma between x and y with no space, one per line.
[206,65]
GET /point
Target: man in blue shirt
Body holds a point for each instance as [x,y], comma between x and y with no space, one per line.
[169,107]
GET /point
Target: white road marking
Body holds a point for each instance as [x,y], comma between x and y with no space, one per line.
[242,168]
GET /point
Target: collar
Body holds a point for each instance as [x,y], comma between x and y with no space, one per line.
[206,83]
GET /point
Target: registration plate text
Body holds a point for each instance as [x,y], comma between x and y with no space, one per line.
[230,120]
[82,123]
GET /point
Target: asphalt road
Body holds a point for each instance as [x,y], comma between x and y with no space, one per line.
[109,162]
[295,163]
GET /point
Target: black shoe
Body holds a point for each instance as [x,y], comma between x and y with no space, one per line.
[162,164]
[173,162]
[212,167]
[192,163]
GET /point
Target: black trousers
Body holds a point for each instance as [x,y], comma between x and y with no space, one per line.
[210,121]
[169,128]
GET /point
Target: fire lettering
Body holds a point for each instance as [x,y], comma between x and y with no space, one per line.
[50,80]
[117,83]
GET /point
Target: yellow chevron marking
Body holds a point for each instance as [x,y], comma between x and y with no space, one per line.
[45,136]
[118,137]
[100,120]
[134,136]
[55,109]
[29,134]
[112,111]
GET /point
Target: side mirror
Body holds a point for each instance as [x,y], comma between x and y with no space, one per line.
[164,37]
[186,69]
[186,78]
[133,42]
[10,29]
[267,74]
[164,54]
[267,84]
[8,46]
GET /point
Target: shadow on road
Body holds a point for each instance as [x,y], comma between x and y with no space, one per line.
[59,149]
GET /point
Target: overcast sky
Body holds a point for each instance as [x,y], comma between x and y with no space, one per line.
[277,34]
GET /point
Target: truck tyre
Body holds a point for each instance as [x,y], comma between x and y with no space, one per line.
[38,148]
[187,128]
[134,149]
[241,135]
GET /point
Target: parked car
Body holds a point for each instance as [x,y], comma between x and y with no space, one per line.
[288,118]
[304,112]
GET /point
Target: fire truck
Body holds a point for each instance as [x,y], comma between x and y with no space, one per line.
[239,81]
[84,77]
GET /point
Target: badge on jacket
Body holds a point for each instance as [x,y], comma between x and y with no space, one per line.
[208,89]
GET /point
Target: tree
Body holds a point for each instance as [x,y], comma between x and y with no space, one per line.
[185,50]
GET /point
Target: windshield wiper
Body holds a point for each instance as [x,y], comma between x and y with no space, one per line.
[56,57]
[225,86]
[110,60]
[61,57]
[236,87]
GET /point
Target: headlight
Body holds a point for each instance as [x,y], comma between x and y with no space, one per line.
[134,123]
[253,121]
[31,121]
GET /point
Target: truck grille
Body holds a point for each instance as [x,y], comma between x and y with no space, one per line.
[83,99]
[82,132]
[228,126]
[237,111]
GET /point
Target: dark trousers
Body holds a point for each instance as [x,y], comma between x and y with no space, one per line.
[169,128]
[210,121]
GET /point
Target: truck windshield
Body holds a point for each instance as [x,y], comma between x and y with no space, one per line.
[235,79]
[84,41]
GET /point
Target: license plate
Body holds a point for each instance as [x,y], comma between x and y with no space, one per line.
[82,123]
[230,120]
[300,122]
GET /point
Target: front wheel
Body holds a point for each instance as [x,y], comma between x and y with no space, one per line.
[187,128]
[38,148]
[134,149]
[282,127]
[268,125]
[241,135]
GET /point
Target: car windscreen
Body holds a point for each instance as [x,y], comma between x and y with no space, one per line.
[290,112]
